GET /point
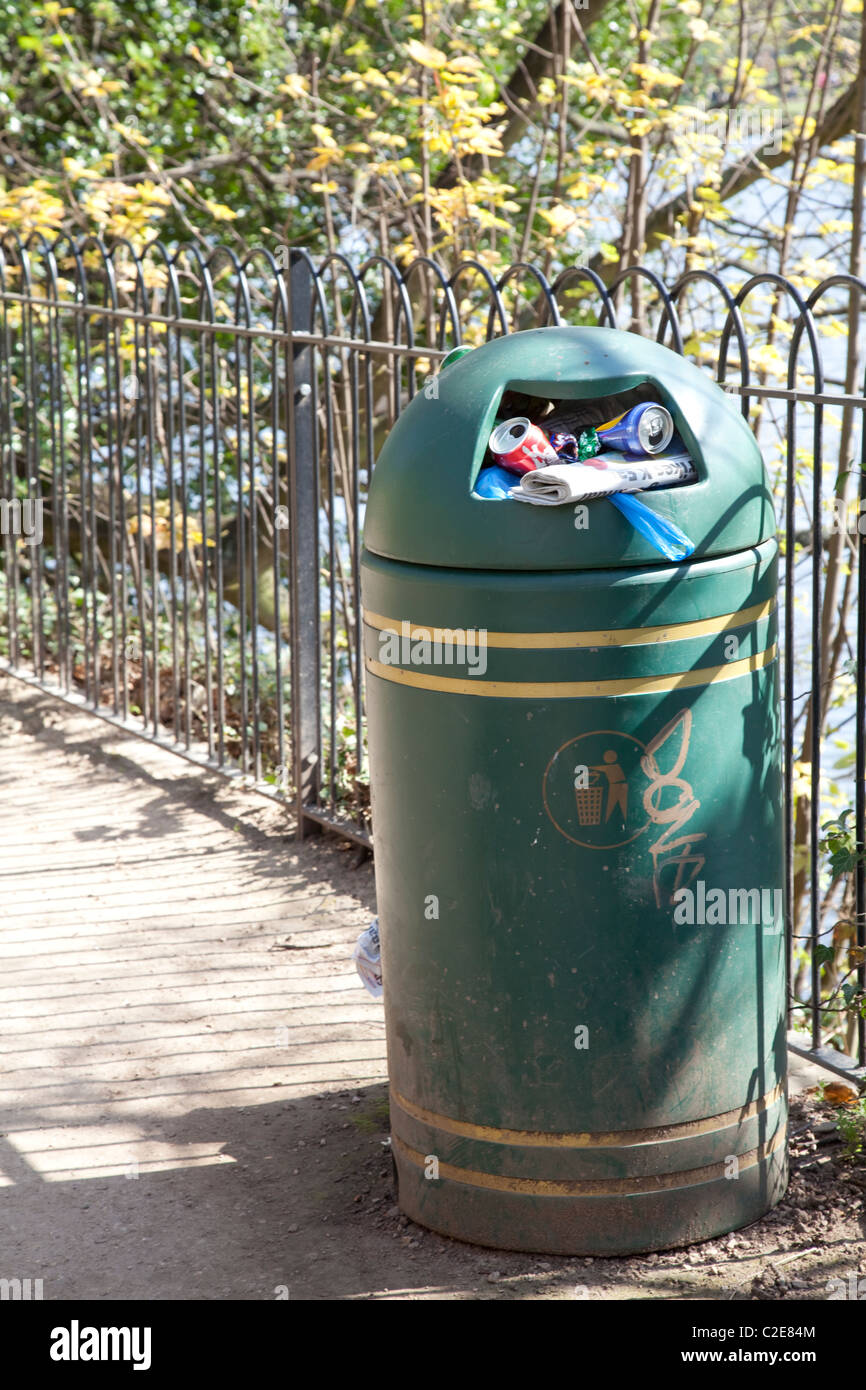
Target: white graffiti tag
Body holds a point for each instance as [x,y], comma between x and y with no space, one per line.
[671,850]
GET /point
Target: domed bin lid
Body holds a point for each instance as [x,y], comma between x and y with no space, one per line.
[421,507]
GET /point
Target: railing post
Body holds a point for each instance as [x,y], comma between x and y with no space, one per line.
[304,569]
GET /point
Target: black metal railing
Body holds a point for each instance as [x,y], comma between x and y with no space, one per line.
[191,436]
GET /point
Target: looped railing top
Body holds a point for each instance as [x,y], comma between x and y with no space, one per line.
[468,294]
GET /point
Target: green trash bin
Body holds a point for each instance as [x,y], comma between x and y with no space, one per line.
[576,796]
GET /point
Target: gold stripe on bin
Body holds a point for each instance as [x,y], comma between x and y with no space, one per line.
[596,1187]
[615,637]
[553,690]
[615,1138]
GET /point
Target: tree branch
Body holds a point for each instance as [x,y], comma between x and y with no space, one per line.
[519,94]
[839,120]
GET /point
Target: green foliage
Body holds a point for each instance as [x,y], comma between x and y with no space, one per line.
[367,125]
[851,1123]
[839,845]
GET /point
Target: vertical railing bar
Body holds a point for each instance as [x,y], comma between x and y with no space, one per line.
[218,547]
[185,553]
[123,530]
[370,452]
[241,556]
[109,338]
[7,435]
[302,397]
[202,351]
[168,431]
[860,745]
[55,413]
[277,542]
[333,750]
[353,619]
[62,558]
[817,720]
[138,549]
[83,521]
[93,512]
[29,424]
[788,758]
[34,494]
[254,561]
[155,590]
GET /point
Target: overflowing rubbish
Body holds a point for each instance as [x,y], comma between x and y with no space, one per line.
[368,960]
[571,453]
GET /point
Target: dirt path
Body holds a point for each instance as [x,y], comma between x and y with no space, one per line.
[193,1102]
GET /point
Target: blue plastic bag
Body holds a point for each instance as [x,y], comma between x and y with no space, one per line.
[495,483]
[673,543]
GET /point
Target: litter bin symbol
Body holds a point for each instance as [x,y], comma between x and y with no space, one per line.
[589,801]
[590,798]
[617,787]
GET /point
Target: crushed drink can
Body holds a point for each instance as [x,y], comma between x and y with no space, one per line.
[521,446]
[645,429]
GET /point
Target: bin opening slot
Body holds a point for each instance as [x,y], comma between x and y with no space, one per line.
[530,432]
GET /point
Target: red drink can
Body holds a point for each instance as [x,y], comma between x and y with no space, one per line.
[521,446]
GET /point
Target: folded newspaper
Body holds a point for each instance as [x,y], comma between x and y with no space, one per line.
[615,472]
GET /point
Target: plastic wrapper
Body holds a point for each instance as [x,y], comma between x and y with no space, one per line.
[367,959]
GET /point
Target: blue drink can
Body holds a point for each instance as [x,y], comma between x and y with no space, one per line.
[645,429]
